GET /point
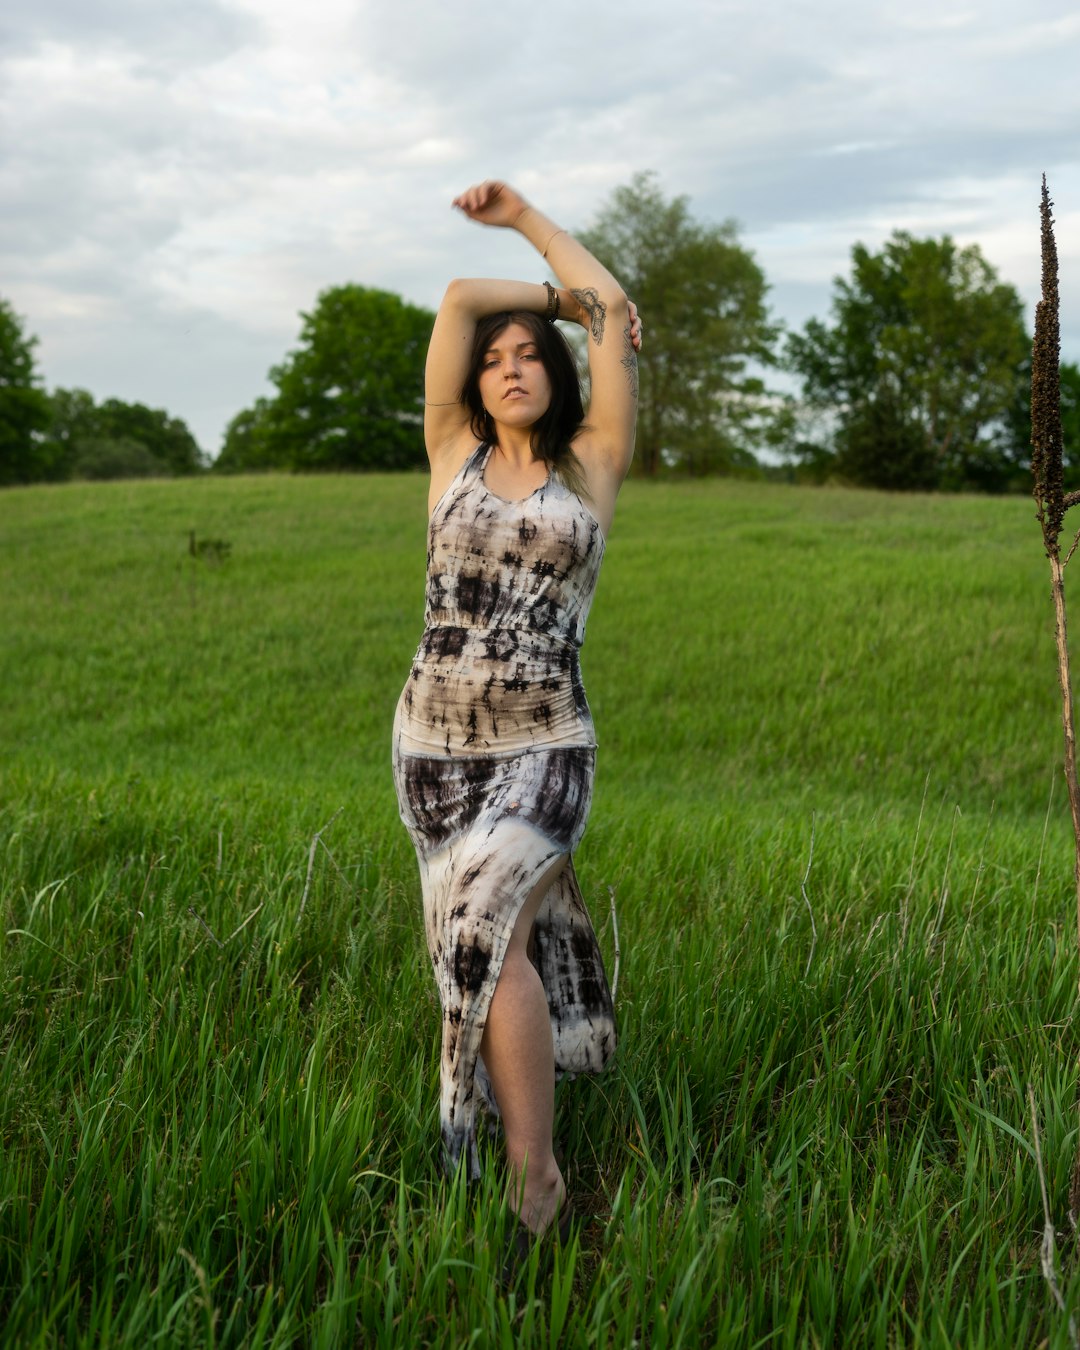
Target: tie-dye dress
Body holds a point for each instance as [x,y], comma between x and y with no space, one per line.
[494,752]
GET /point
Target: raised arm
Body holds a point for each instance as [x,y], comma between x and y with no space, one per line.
[591,296]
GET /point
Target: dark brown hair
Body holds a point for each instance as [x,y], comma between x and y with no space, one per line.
[565,415]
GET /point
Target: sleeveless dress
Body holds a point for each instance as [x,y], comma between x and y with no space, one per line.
[494,753]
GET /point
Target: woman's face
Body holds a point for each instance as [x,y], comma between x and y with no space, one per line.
[513,383]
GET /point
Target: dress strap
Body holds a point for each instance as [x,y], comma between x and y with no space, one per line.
[477,461]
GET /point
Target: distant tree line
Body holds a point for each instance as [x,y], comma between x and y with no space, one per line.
[53,437]
[919,379]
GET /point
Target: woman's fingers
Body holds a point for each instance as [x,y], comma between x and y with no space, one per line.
[635,325]
[470,199]
[467,200]
[478,196]
[491,202]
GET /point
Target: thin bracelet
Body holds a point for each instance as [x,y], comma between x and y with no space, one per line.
[553,235]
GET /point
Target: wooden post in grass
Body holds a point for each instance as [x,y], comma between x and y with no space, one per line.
[1053,501]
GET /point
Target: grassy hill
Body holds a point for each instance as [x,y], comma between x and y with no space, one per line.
[829,827]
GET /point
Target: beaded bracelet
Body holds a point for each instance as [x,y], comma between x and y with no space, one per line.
[552,302]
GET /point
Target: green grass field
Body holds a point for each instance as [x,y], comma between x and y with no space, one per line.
[830,814]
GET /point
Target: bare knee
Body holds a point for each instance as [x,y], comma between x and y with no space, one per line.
[518,974]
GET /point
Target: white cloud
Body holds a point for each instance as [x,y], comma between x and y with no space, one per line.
[180,179]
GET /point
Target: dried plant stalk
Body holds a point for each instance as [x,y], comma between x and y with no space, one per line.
[1047,446]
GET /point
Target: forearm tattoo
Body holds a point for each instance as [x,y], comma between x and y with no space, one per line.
[595,308]
[628,362]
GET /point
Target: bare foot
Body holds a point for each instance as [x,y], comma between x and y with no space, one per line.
[541,1202]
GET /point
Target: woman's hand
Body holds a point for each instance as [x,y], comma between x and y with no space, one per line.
[491,203]
[635,326]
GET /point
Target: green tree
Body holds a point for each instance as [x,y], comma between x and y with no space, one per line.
[1017,439]
[1070,422]
[166,438]
[114,439]
[24,411]
[248,445]
[71,422]
[109,457]
[349,397]
[702,297]
[919,368]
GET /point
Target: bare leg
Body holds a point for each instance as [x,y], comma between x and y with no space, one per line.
[520,1060]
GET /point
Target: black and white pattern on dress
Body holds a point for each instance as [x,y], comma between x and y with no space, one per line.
[494,753]
[509,585]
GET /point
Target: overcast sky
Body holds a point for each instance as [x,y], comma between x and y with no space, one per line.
[179,178]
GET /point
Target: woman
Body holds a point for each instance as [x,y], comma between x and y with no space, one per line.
[493,743]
